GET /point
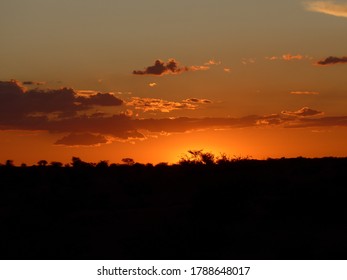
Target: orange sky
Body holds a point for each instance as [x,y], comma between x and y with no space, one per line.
[104,80]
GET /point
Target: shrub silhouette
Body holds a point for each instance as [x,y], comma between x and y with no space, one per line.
[56,164]
[197,157]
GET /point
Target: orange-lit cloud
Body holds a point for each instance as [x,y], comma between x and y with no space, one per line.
[292,57]
[227,70]
[199,68]
[332,60]
[164,106]
[152,84]
[272,57]
[303,112]
[286,57]
[197,100]
[304,92]
[213,62]
[246,61]
[328,7]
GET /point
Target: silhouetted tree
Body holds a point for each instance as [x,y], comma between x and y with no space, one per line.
[42,162]
[128,161]
[9,163]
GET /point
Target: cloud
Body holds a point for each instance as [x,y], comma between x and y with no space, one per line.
[100,99]
[96,129]
[246,61]
[82,139]
[286,57]
[30,111]
[152,84]
[33,83]
[336,121]
[289,57]
[156,104]
[172,67]
[304,92]
[197,100]
[161,68]
[303,112]
[213,62]
[17,102]
[332,60]
[198,68]
[227,70]
[272,58]
[327,7]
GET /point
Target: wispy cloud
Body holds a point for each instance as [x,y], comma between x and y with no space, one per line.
[332,60]
[286,57]
[304,92]
[289,57]
[164,106]
[327,7]
[197,100]
[246,61]
[213,62]
[303,112]
[198,68]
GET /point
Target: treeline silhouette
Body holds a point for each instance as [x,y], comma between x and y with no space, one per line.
[204,207]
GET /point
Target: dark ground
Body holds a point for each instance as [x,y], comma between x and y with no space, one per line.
[246,209]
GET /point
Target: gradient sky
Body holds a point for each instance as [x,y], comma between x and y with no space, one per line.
[108,79]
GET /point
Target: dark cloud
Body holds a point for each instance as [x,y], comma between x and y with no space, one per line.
[332,60]
[17,102]
[100,99]
[33,83]
[82,139]
[11,88]
[161,68]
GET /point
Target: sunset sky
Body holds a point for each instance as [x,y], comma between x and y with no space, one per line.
[149,80]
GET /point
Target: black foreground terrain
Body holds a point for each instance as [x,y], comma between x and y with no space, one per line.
[246,209]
